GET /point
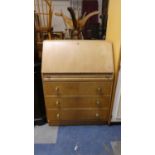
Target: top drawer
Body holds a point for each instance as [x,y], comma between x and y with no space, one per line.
[77,88]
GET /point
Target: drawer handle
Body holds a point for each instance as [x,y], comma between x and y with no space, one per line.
[97,115]
[57,103]
[98,102]
[99,89]
[57,90]
[58,116]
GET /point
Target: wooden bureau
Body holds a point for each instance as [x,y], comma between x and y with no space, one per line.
[77,81]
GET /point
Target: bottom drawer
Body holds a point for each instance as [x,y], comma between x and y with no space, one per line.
[76,115]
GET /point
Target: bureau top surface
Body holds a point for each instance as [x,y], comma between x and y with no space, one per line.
[77,56]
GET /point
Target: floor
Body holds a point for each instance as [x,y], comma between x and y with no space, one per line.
[78,140]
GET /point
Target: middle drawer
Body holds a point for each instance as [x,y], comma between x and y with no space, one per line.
[77,102]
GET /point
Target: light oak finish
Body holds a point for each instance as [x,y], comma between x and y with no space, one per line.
[78,77]
[66,115]
[77,102]
[77,81]
[77,56]
[77,88]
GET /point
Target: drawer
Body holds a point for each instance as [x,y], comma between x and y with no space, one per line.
[76,115]
[78,102]
[77,88]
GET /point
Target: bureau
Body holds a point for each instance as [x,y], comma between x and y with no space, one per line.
[77,81]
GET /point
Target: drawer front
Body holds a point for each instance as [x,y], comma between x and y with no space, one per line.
[77,88]
[77,102]
[76,115]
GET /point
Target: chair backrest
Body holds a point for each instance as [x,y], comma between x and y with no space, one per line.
[43,14]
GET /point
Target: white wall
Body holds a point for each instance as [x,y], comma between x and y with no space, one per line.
[57,22]
[116,113]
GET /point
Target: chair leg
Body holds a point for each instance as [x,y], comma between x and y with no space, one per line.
[49,36]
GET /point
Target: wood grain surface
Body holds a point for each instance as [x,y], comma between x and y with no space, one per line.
[77,56]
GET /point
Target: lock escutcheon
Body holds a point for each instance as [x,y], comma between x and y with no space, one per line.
[57,102]
[58,116]
[99,89]
[97,114]
[98,102]
[57,89]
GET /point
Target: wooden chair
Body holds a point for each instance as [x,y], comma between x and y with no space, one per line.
[43,19]
[42,22]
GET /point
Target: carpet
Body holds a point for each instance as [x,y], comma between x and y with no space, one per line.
[83,140]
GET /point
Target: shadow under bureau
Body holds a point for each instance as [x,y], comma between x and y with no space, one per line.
[77,81]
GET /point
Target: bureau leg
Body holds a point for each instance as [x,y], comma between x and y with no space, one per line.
[109,123]
[109,120]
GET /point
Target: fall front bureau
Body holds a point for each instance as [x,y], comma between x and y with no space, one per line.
[77,81]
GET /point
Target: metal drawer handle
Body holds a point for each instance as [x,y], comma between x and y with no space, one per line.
[98,102]
[57,102]
[97,115]
[57,89]
[58,116]
[99,89]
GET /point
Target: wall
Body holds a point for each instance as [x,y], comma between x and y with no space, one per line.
[113,34]
[116,113]
[58,6]
[114,29]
